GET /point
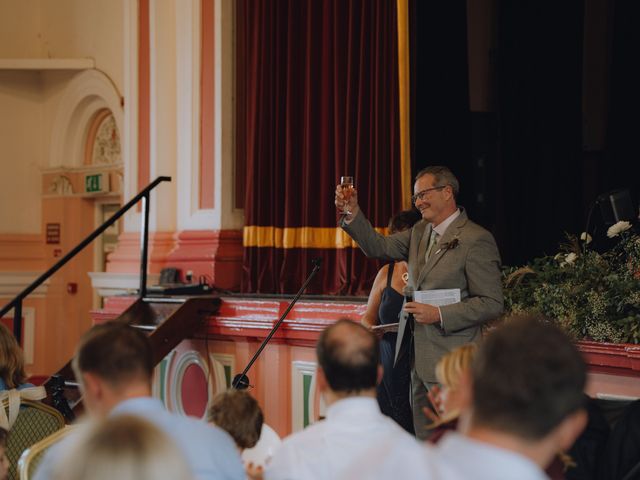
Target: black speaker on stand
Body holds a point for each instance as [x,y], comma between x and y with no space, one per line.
[616,206]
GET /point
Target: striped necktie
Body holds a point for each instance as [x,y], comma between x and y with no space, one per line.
[433,241]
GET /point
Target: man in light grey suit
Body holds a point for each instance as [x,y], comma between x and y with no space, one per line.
[445,250]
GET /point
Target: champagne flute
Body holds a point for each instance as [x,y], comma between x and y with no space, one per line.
[346,183]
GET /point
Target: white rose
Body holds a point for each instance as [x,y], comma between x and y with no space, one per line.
[585,237]
[617,228]
[558,256]
[570,258]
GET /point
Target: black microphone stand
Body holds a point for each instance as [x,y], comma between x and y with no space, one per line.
[241,381]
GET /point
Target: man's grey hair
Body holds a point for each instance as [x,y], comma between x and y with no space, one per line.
[443,177]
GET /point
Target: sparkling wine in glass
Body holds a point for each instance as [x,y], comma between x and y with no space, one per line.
[347,190]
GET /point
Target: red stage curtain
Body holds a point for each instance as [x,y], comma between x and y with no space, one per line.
[317,99]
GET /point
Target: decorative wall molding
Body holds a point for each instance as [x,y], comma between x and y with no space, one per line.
[303,387]
[223,366]
[60,185]
[126,257]
[110,284]
[240,317]
[47,63]
[216,255]
[85,95]
[226,215]
[181,364]
[161,379]
[188,49]
[129,134]
[22,252]
[12,283]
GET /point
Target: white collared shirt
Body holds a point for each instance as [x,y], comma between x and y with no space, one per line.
[457,457]
[332,447]
[442,226]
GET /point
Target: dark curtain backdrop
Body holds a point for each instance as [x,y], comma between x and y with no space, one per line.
[319,100]
[621,167]
[441,129]
[540,49]
[520,166]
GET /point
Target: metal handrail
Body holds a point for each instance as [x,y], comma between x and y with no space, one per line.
[16,303]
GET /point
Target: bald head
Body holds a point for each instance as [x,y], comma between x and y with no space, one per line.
[348,354]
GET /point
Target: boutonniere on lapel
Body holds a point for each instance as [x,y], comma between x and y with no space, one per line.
[448,245]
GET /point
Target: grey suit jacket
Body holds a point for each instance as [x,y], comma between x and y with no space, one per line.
[473,266]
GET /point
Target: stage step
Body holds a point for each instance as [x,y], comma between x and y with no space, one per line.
[166,320]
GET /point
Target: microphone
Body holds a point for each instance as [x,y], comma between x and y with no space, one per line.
[407,291]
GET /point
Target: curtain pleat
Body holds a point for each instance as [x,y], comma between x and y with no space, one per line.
[321,101]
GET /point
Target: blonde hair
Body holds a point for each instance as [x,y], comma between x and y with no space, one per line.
[449,371]
[124,447]
[11,359]
[450,368]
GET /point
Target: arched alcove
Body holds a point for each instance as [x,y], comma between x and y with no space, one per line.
[86,96]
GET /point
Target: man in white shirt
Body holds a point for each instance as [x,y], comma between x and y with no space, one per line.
[114,366]
[347,377]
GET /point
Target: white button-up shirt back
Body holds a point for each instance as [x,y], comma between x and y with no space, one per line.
[329,448]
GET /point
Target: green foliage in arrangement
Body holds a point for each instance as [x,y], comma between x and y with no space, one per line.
[594,296]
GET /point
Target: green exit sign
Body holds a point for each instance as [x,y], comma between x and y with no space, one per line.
[96,183]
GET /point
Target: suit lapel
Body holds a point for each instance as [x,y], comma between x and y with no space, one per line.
[421,232]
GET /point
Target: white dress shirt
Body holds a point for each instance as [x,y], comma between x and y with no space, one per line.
[209,451]
[457,457]
[442,226]
[333,447]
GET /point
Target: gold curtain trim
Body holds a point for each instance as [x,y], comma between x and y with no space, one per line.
[404,100]
[300,237]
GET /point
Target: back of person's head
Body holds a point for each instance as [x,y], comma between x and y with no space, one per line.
[348,354]
[451,367]
[11,359]
[404,220]
[527,378]
[123,447]
[443,176]
[116,353]
[237,413]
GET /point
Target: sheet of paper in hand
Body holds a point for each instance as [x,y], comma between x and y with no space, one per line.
[439,297]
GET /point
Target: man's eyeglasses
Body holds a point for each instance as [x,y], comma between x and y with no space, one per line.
[423,194]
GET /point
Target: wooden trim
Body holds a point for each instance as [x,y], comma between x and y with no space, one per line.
[618,359]
[207,106]
[404,85]
[144,94]
[299,237]
[47,63]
